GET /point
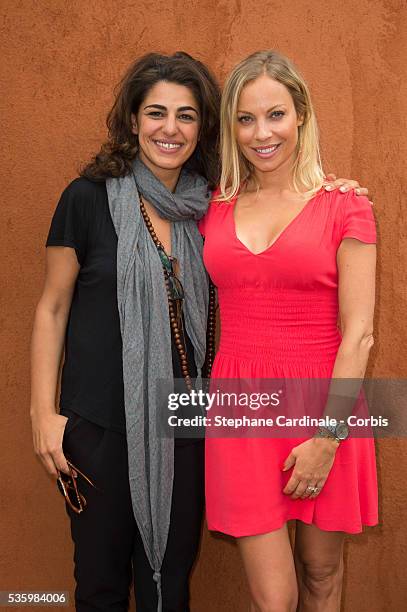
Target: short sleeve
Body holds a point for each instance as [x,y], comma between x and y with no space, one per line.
[69,225]
[358,219]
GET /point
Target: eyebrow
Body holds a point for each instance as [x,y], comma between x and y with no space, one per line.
[181,108]
[270,109]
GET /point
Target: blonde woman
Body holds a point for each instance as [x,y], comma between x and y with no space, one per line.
[288,259]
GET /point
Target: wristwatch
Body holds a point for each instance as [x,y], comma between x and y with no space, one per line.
[338,432]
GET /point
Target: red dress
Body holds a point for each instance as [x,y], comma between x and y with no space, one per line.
[279,312]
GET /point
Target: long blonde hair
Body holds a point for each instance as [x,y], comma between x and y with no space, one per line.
[307,171]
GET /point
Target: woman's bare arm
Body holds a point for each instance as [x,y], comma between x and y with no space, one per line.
[313,459]
[47,347]
[357,268]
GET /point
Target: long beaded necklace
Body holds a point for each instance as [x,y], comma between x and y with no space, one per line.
[175,302]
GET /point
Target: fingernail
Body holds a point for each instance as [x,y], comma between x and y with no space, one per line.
[328,187]
[343,188]
[357,191]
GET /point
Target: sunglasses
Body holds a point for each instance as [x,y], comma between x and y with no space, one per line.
[68,487]
[176,288]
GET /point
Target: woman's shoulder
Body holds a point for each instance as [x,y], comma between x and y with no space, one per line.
[81,201]
[352,214]
[84,197]
[339,202]
[83,188]
[216,194]
[214,212]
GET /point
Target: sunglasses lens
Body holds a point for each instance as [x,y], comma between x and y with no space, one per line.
[165,260]
[70,492]
[60,486]
[177,291]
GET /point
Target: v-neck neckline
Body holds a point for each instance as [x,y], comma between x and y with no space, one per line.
[280,235]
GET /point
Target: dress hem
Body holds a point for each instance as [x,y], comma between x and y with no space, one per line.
[371,521]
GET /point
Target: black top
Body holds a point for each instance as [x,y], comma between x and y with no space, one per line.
[92,376]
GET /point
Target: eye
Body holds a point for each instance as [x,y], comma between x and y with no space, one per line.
[245,119]
[186,117]
[155,114]
[277,114]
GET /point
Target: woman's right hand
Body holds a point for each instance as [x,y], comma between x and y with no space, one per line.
[48,432]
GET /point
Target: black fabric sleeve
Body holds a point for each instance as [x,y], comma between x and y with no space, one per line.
[70,223]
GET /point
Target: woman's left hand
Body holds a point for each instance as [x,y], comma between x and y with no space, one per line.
[312,461]
[331,183]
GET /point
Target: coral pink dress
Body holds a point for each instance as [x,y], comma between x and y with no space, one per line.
[279,312]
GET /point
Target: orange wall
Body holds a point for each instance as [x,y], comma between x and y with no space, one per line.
[59,63]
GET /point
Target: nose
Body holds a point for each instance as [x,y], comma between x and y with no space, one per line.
[170,126]
[263,131]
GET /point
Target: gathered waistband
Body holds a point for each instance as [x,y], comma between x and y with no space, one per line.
[279,325]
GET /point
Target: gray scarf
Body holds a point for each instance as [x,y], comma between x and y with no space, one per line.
[146,334]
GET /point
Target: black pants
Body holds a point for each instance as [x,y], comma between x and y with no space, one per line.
[107,541]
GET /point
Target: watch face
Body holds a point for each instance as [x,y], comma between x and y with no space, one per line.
[342,431]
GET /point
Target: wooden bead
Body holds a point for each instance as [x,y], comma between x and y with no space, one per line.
[176,320]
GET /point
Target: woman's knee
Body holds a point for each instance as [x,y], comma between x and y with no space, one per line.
[321,578]
[275,602]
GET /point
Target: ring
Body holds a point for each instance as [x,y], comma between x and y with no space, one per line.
[312,489]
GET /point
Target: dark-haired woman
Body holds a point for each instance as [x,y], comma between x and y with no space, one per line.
[108,294]
[105,298]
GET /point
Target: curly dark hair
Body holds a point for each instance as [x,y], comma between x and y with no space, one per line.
[115,156]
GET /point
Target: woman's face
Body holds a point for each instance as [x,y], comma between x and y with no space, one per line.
[167,125]
[267,125]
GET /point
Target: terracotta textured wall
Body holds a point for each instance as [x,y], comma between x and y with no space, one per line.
[59,62]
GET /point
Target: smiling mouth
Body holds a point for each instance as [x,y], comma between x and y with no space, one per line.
[167,146]
[266,150]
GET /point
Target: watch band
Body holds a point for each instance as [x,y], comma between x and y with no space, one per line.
[326,433]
